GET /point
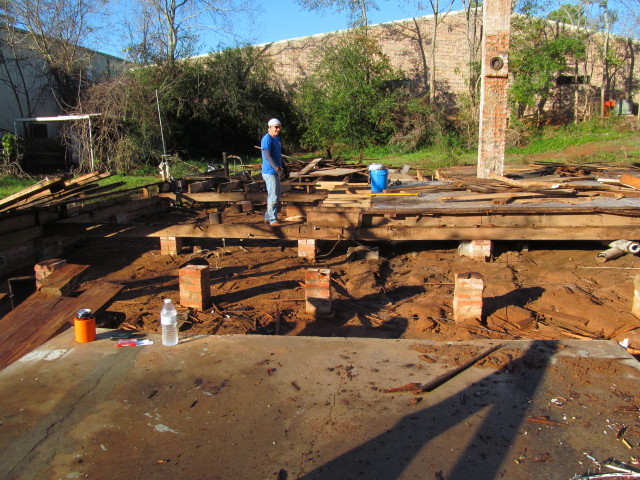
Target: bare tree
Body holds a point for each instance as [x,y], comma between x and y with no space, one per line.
[473,33]
[52,32]
[357,9]
[439,14]
[163,31]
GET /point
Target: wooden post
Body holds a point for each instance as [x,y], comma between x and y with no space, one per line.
[225,163]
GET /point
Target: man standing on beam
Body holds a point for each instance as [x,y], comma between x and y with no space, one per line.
[272,166]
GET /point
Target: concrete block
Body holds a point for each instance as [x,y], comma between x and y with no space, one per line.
[363,253]
[476,249]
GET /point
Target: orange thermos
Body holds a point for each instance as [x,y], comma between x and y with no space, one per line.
[85,326]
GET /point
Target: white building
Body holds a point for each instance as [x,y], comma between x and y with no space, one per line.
[28,90]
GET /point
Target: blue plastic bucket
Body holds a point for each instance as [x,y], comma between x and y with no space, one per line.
[379,180]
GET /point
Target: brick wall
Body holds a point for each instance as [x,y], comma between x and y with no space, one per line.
[401,41]
[295,58]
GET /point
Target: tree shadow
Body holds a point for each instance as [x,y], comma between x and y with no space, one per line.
[506,393]
[519,297]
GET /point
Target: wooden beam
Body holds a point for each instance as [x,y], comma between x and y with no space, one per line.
[373,233]
[630,180]
[213,197]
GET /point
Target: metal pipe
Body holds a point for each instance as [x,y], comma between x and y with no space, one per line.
[164,148]
[610,254]
[626,246]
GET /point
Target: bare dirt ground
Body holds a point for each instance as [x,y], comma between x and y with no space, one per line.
[548,291]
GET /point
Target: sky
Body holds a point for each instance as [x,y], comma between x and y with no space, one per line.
[286,19]
[283,20]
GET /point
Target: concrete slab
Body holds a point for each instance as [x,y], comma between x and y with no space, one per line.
[253,407]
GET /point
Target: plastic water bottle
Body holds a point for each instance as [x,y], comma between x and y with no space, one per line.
[169,323]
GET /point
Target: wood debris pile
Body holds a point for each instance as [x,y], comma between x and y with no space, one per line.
[60,190]
[300,176]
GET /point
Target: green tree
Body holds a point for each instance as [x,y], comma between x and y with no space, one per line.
[348,98]
[568,13]
[230,96]
[538,54]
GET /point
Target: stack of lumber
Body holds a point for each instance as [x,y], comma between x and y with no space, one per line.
[539,181]
[55,190]
[326,167]
[46,312]
[343,195]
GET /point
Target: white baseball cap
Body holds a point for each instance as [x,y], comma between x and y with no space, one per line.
[274,121]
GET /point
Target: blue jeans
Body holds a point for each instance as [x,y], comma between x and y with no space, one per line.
[273,196]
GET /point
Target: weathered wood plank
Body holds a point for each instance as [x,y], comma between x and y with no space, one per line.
[43,316]
[309,166]
[214,197]
[517,231]
[88,178]
[20,236]
[63,280]
[630,180]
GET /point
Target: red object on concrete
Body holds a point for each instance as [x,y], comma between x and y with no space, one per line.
[195,287]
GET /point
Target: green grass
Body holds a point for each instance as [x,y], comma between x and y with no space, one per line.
[550,140]
[11,185]
[130,181]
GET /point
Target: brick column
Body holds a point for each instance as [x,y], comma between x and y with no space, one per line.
[247,205]
[496,21]
[195,287]
[467,297]
[318,291]
[170,245]
[307,249]
[44,269]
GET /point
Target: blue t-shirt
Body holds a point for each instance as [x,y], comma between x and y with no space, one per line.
[272,144]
